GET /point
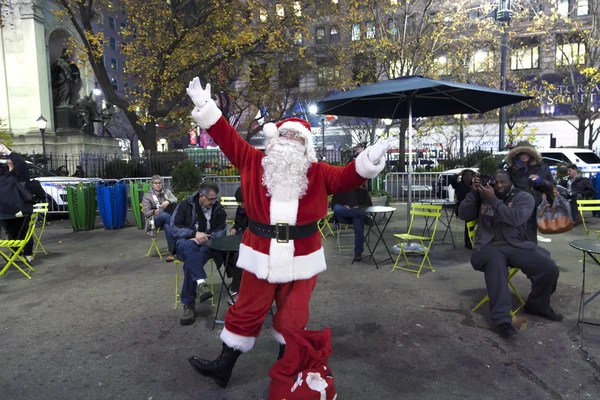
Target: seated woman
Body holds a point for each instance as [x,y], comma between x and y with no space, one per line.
[158,205]
[240,225]
[14,183]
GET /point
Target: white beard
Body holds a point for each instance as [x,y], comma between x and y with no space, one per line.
[285,169]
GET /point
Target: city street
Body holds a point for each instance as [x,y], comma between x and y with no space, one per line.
[96,321]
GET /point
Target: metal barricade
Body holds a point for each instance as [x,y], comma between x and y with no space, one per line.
[56,191]
[425,186]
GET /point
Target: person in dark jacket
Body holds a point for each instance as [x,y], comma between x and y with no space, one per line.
[529,174]
[12,173]
[500,242]
[240,225]
[347,209]
[195,221]
[462,183]
[578,188]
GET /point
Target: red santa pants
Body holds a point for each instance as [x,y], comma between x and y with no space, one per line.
[246,316]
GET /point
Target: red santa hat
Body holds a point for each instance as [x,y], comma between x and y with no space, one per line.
[299,125]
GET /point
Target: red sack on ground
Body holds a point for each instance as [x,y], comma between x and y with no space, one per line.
[302,373]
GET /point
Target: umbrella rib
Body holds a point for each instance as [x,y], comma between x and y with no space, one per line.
[328,111]
[458,100]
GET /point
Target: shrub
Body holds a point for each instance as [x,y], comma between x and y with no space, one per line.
[186,177]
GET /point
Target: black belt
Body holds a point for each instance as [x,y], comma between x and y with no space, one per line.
[283,232]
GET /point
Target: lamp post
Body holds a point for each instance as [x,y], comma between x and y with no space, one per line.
[96,91]
[502,14]
[388,124]
[314,111]
[41,121]
[461,134]
[163,141]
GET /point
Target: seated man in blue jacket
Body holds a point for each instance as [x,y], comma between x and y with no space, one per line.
[196,220]
[501,241]
[348,208]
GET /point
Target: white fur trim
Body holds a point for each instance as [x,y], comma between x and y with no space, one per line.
[303,267]
[238,342]
[298,127]
[278,336]
[208,115]
[270,130]
[281,255]
[367,169]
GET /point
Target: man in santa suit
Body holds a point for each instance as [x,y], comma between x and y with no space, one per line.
[285,191]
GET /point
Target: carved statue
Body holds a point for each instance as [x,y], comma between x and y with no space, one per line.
[108,113]
[65,75]
[88,114]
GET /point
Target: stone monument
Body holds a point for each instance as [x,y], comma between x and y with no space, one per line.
[66,80]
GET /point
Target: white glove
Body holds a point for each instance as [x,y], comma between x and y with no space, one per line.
[206,113]
[199,96]
[4,150]
[378,150]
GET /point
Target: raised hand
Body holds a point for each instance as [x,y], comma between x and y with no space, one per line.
[379,150]
[199,96]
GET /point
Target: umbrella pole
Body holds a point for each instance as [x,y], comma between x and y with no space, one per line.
[409,204]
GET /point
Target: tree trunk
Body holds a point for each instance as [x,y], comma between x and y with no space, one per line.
[581,134]
[148,137]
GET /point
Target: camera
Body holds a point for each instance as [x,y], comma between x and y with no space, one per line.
[485,180]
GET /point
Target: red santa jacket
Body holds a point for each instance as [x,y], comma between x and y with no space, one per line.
[297,259]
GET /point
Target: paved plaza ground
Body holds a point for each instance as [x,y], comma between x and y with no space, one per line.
[96,321]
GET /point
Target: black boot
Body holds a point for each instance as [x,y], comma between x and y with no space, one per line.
[220,369]
[281,351]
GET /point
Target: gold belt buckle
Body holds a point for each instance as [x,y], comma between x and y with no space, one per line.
[285,225]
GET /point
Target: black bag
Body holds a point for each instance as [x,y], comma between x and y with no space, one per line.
[35,187]
[170,208]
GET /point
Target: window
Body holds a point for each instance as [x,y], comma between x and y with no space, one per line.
[113,63]
[481,61]
[112,43]
[280,11]
[525,58]
[297,9]
[115,83]
[262,15]
[334,35]
[364,68]
[125,85]
[370,30]
[326,74]
[570,54]
[123,26]
[320,35]
[355,32]
[392,27]
[475,13]
[583,7]
[298,40]
[111,22]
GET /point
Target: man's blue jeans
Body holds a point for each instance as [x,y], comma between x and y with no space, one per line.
[162,221]
[357,218]
[194,257]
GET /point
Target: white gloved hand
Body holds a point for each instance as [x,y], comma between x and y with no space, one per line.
[199,96]
[206,113]
[378,150]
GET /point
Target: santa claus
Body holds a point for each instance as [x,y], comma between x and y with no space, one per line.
[286,192]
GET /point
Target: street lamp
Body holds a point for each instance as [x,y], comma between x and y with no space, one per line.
[314,110]
[41,121]
[163,141]
[461,134]
[503,14]
[97,91]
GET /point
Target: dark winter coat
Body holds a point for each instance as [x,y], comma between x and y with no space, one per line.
[520,173]
[183,220]
[580,185]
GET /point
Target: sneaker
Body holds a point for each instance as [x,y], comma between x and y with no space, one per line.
[506,330]
[170,258]
[189,315]
[357,257]
[29,258]
[540,238]
[203,292]
[234,296]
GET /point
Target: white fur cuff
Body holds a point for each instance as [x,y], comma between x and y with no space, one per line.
[278,337]
[238,342]
[208,115]
[367,169]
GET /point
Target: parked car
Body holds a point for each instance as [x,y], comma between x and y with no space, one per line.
[54,185]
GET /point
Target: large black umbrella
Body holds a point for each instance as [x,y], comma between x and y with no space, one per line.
[415,96]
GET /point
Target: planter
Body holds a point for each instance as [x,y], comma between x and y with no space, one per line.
[379,201]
